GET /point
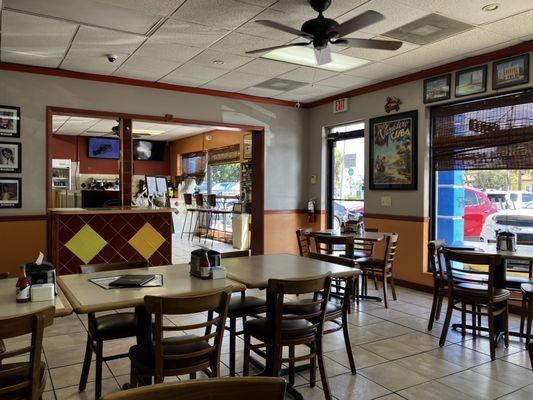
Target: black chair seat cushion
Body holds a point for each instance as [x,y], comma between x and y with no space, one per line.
[331,307]
[145,357]
[239,307]
[16,378]
[261,329]
[514,282]
[357,254]
[113,326]
[481,291]
[527,288]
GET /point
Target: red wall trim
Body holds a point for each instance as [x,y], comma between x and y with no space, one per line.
[137,82]
[460,64]
[397,217]
[17,218]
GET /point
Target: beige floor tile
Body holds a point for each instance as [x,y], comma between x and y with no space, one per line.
[392,396]
[388,329]
[393,376]
[65,325]
[362,319]
[432,391]
[420,341]
[430,366]
[528,388]
[456,354]
[71,393]
[387,313]
[483,346]
[308,393]
[518,395]
[362,334]
[506,372]
[407,308]
[350,387]
[50,395]
[68,376]
[476,385]
[363,358]
[68,355]
[520,358]
[391,349]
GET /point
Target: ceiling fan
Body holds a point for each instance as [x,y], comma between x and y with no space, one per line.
[322,31]
[116,129]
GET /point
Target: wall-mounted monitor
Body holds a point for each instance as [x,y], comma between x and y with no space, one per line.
[103,148]
[147,150]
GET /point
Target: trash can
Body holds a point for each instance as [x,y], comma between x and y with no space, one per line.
[240,232]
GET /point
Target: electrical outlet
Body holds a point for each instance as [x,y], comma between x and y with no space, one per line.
[313,179]
[386,201]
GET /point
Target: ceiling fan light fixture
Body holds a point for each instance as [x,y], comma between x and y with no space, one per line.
[306,56]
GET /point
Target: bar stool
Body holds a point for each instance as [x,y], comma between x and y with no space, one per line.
[213,210]
[187,198]
[200,214]
[527,309]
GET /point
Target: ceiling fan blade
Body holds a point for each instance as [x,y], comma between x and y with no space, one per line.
[277,47]
[284,28]
[323,56]
[359,22]
[369,43]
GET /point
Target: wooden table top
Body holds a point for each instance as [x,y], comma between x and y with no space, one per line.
[371,236]
[522,252]
[10,308]
[87,297]
[255,271]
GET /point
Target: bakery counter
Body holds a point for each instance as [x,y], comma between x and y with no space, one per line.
[108,235]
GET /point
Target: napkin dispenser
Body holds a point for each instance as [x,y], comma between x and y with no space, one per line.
[42,273]
[196,260]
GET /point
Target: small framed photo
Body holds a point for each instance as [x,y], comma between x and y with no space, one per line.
[247,146]
[10,157]
[10,193]
[9,121]
[471,81]
[510,72]
[437,88]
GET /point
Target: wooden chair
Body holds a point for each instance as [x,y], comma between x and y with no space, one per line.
[513,282]
[3,275]
[257,388]
[25,380]
[302,237]
[477,295]
[106,327]
[530,350]
[185,354]
[372,266]
[440,281]
[527,310]
[187,198]
[304,326]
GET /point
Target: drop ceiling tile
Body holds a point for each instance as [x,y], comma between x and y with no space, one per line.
[75,126]
[238,43]
[376,71]
[262,92]
[29,39]
[307,74]
[222,13]
[77,61]
[178,53]
[235,81]
[309,93]
[89,12]
[285,18]
[305,12]
[516,26]
[396,14]
[471,11]
[264,67]
[152,66]
[157,7]
[378,55]
[230,61]
[342,81]
[188,33]
[193,74]
[127,72]
[191,81]
[260,3]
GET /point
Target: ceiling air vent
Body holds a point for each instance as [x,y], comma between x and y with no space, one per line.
[280,84]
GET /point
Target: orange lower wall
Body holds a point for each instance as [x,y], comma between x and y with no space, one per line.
[20,242]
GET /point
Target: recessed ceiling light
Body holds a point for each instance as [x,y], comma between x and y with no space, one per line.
[218,62]
[306,56]
[491,7]
[147,132]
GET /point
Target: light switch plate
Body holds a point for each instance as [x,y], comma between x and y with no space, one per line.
[386,201]
[313,179]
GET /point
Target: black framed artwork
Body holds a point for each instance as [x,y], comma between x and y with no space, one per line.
[10,192]
[393,152]
[437,88]
[510,72]
[9,121]
[471,81]
[10,157]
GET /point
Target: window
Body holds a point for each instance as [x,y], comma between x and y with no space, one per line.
[471,199]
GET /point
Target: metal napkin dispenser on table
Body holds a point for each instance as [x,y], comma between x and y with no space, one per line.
[196,261]
[506,241]
[41,273]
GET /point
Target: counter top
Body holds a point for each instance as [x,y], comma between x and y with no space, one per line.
[108,210]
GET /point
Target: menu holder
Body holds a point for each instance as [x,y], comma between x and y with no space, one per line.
[105,282]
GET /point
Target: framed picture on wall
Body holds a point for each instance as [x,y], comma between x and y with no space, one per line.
[10,193]
[437,88]
[10,159]
[471,81]
[247,146]
[9,121]
[510,72]
[393,152]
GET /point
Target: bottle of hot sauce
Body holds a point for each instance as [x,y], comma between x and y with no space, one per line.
[23,286]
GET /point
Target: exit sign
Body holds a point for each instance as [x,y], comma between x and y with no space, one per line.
[340,105]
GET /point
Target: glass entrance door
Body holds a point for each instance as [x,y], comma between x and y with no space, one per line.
[346,180]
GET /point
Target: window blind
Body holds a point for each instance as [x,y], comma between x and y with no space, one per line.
[224,155]
[193,164]
[494,133]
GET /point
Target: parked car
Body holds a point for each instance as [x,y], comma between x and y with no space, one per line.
[519,222]
[513,199]
[477,207]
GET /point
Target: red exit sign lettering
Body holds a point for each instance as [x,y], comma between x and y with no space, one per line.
[340,105]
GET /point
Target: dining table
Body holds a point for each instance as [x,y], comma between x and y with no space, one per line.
[522,252]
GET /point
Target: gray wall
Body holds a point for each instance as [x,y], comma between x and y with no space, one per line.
[285,149]
[362,108]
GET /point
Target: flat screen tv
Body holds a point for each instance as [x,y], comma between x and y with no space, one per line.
[147,150]
[103,148]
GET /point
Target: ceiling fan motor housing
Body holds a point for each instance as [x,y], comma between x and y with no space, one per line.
[320,5]
[321,29]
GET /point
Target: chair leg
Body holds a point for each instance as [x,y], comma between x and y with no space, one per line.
[506,325]
[291,365]
[523,312]
[86,365]
[529,320]
[191,231]
[463,319]
[385,290]
[276,360]
[99,365]
[447,319]
[439,308]
[322,369]
[434,306]
[184,223]
[347,343]
[491,333]
[375,282]
[312,366]
[133,377]
[192,375]
[232,346]
[392,287]
[246,355]
[474,320]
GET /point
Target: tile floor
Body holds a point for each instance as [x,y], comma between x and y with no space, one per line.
[395,355]
[181,248]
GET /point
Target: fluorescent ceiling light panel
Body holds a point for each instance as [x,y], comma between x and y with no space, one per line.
[306,56]
[147,132]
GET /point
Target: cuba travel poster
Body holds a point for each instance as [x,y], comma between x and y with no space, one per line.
[393,152]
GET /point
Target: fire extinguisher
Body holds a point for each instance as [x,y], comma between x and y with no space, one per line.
[311,210]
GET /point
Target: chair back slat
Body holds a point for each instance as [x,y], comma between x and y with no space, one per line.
[187,198]
[327,244]
[435,263]
[199,200]
[302,236]
[90,268]
[392,246]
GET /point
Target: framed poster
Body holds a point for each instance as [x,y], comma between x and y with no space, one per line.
[10,160]
[393,152]
[10,193]
[437,88]
[510,72]
[247,146]
[471,81]
[9,121]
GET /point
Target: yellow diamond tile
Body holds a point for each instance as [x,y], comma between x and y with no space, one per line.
[147,241]
[86,244]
